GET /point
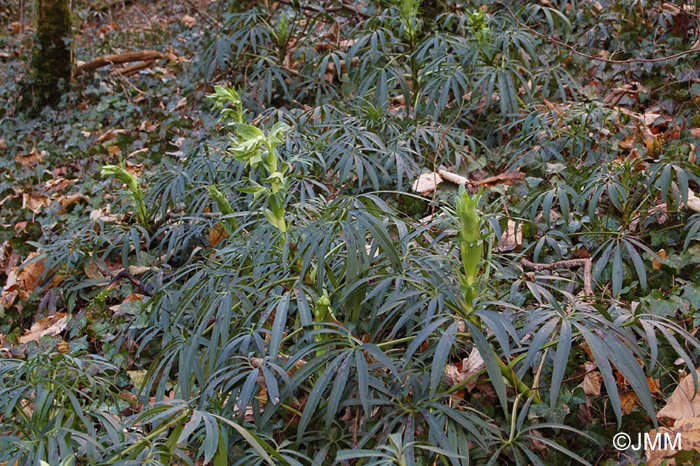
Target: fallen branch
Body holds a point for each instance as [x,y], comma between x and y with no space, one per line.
[132,69]
[428,182]
[127,57]
[587,264]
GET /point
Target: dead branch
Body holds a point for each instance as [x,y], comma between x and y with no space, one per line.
[127,57]
[509,178]
[132,69]
[587,264]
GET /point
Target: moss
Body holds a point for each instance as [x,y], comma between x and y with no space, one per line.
[52,59]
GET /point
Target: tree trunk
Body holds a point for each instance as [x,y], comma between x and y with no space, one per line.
[51,61]
[431,9]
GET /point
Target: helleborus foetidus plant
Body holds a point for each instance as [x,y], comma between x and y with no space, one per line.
[232,96]
[224,206]
[261,157]
[471,245]
[132,183]
[266,180]
[322,313]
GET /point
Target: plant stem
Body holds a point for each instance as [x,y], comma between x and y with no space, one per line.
[150,436]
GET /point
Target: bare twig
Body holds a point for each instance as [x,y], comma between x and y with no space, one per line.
[203,14]
[143,288]
[442,140]
[573,50]
[587,264]
[330,9]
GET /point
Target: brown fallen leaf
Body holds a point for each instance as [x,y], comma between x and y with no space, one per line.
[23,280]
[93,271]
[35,202]
[8,297]
[8,258]
[217,234]
[689,430]
[511,237]
[21,226]
[109,135]
[105,216]
[470,366]
[63,347]
[32,159]
[70,199]
[51,325]
[188,21]
[26,279]
[538,446]
[593,380]
[684,402]
[628,401]
[133,297]
[626,143]
[656,264]
[148,126]
[137,270]
[628,398]
[135,169]
[57,184]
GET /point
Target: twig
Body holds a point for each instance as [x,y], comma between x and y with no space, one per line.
[573,50]
[330,9]
[145,289]
[587,264]
[205,16]
[442,139]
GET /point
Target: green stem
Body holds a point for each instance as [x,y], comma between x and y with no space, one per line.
[149,437]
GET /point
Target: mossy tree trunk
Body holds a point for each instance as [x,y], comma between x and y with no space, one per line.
[52,58]
[431,9]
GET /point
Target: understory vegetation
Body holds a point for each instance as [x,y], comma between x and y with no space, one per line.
[385,232]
